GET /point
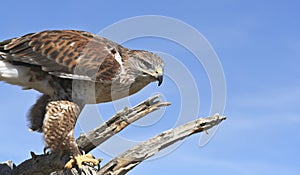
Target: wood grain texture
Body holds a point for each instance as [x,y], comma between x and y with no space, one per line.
[129,159]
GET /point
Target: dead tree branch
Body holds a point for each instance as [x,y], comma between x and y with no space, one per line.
[132,157]
[118,122]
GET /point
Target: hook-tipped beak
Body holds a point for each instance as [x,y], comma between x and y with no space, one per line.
[160,79]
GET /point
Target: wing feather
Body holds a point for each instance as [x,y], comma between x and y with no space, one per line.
[66,54]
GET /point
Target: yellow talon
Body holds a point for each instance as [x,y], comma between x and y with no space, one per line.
[88,158]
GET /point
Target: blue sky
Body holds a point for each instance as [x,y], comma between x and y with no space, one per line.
[258,44]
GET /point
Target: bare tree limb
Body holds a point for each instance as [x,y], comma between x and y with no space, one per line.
[118,122]
[129,159]
[45,164]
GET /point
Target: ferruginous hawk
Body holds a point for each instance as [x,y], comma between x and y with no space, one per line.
[65,66]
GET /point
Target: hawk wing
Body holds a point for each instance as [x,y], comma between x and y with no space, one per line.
[66,54]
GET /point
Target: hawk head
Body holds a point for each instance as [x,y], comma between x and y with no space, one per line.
[145,66]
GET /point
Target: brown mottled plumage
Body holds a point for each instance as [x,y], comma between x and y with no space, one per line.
[73,68]
[62,115]
[60,51]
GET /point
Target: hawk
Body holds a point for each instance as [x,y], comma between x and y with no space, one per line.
[72,68]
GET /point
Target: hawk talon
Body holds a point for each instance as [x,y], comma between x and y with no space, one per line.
[98,166]
[45,151]
[80,160]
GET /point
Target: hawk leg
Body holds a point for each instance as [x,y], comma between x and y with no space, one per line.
[58,128]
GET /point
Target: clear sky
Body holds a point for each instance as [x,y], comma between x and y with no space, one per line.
[258,45]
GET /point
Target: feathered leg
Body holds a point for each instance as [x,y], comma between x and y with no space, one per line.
[58,128]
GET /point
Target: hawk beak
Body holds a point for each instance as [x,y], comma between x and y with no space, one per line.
[159,79]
